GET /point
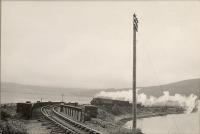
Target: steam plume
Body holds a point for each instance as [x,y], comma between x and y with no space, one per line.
[188,102]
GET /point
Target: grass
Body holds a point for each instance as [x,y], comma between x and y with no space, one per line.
[9,125]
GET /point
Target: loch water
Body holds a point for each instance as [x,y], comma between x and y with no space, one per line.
[188,123]
[15,97]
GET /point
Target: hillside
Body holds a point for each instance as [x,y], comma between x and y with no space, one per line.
[185,87]
[36,89]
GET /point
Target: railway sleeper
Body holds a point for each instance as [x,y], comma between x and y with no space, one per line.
[59,131]
[51,127]
[42,119]
[48,123]
[61,127]
[56,129]
[91,132]
[44,124]
[55,132]
[76,125]
[86,129]
[52,124]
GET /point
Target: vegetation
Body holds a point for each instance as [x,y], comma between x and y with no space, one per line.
[10,128]
[5,114]
[116,110]
[8,123]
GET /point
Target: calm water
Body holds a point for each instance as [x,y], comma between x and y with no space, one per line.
[14,97]
[170,124]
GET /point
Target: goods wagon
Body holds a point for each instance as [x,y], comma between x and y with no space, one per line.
[28,109]
[25,109]
[108,102]
[90,111]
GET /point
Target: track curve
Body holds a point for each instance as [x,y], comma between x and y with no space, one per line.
[68,125]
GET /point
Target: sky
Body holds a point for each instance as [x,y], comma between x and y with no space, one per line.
[89,44]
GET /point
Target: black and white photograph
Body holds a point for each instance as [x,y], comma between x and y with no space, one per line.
[100,67]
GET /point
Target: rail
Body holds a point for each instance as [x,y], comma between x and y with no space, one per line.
[72,126]
[49,117]
[92,131]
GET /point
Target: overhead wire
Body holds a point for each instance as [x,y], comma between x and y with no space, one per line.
[157,78]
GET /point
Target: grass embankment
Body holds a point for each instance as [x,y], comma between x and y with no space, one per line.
[108,123]
[14,123]
[10,122]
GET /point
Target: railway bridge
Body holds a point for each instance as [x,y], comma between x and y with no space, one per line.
[73,112]
[64,117]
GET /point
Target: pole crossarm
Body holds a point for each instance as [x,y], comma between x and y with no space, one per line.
[135,22]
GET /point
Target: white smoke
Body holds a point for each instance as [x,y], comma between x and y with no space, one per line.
[187,102]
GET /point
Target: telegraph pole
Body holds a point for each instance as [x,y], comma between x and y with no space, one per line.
[134,110]
[62,97]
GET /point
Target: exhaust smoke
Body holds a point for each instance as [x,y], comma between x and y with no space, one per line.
[188,102]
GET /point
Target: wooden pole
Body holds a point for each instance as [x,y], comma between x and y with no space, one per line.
[62,97]
[134,110]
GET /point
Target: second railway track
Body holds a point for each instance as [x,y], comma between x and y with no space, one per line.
[65,124]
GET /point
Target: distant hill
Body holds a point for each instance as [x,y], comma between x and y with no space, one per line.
[36,89]
[185,87]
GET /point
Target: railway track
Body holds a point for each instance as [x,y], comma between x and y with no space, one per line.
[62,124]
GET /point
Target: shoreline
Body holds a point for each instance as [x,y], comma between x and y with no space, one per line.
[122,121]
[112,124]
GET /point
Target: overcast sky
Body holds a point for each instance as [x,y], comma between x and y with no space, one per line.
[89,44]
